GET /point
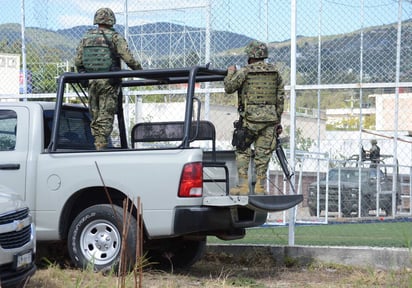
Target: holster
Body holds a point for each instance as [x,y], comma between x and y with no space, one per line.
[242,137]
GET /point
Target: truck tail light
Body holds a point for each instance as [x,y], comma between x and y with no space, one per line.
[191,181]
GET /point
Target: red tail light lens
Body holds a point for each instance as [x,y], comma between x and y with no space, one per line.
[191,181]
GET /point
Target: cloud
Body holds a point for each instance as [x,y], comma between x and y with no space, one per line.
[78,12]
[68,21]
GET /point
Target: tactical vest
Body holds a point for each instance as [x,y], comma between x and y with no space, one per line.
[97,52]
[259,94]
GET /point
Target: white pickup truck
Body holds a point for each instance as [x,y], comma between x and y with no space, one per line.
[76,193]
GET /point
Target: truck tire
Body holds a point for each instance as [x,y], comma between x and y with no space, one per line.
[95,238]
[346,211]
[176,254]
[388,209]
[312,211]
[368,203]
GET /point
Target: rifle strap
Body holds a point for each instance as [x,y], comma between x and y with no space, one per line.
[111,47]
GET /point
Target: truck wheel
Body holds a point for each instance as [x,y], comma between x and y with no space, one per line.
[388,209]
[177,254]
[95,238]
[346,211]
[312,211]
[365,208]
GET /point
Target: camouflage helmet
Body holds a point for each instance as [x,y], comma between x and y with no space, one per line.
[257,49]
[373,141]
[104,16]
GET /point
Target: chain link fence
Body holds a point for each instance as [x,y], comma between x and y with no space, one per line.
[353,82]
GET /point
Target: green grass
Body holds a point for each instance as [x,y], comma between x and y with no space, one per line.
[394,234]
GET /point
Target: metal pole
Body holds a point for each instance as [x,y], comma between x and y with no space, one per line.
[395,136]
[360,112]
[267,21]
[267,41]
[23,50]
[207,58]
[126,19]
[125,97]
[319,110]
[292,211]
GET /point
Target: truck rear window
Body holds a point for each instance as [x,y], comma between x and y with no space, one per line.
[74,130]
[8,130]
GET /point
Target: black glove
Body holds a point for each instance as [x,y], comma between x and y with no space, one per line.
[84,82]
[279,129]
[115,81]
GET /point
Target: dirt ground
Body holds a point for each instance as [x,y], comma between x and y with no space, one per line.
[223,270]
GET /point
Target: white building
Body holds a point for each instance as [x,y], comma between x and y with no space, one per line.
[9,74]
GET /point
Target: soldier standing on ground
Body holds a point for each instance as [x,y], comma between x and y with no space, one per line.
[101,50]
[261,95]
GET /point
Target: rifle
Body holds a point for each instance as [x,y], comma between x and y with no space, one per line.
[280,153]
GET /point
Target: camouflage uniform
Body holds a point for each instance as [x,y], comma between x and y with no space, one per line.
[104,48]
[261,98]
[374,153]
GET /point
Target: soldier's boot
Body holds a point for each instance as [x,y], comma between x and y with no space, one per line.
[100,142]
[260,185]
[100,146]
[242,188]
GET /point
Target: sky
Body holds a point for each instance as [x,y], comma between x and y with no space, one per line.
[247,17]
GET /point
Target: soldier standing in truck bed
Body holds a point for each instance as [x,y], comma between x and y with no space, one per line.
[261,95]
[374,153]
[101,50]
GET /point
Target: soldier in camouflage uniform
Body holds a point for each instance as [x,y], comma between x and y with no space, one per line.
[101,50]
[260,98]
[374,153]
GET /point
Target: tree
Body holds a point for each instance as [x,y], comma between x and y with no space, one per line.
[302,143]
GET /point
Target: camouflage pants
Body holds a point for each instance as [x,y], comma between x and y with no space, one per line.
[264,146]
[103,107]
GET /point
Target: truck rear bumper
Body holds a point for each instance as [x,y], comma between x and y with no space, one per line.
[216,220]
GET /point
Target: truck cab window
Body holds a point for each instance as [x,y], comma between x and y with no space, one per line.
[74,130]
[8,130]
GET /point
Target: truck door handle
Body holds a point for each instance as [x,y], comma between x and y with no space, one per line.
[9,166]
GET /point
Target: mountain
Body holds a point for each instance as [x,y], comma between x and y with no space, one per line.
[165,38]
[340,54]
[160,38]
